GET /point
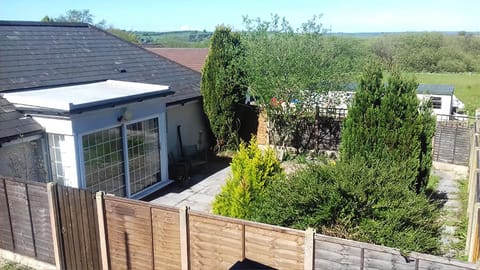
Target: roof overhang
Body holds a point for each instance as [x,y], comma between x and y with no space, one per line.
[74,99]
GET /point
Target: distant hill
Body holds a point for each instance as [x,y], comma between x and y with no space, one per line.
[379,34]
[175,39]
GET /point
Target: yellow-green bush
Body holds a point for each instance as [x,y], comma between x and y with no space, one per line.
[252,171]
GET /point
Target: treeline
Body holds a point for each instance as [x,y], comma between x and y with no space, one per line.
[428,52]
[411,52]
[180,39]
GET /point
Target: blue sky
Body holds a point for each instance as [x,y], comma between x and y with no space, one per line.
[340,15]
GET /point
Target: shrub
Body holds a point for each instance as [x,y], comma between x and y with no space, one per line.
[305,199]
[252,172]
[378,208]
[354,200]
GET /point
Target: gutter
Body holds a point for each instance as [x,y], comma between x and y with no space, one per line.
[92,106]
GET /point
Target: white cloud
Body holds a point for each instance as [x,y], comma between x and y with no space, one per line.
[185,28]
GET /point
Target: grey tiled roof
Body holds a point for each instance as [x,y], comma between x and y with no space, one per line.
[13,124]
[40,55]
[432,89]
[34,54]
[435,89]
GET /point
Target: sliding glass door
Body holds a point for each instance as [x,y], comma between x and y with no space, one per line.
[123,160]
[143,154]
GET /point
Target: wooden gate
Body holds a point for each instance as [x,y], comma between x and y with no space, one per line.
[452,142]
[77,235]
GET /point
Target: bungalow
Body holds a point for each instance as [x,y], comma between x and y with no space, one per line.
[82,107]
[444,102]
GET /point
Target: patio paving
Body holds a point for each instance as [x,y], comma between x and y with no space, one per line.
[203,186]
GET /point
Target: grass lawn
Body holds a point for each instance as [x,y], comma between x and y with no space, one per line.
[12,266]
[467,86]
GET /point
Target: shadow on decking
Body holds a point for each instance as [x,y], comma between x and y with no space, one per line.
[197,175]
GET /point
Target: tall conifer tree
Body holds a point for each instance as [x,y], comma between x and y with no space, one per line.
[223,86]
[386,122]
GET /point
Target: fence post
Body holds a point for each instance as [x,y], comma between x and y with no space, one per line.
[53,208]
[309,254]
[243,242]
[99,200]
[7,206]
[474,235]
[184,241]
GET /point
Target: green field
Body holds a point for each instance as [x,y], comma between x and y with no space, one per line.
[467,86]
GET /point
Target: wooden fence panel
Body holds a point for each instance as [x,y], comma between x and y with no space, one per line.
[431,265]
[335,256]
[379,260]
[25,219]
[79,228]
[451,143]
[129,234]
[280,248]
[20,217]
[6,237]
[166,238]
[215,242]
[336,253]
[474,251]
[65,224]
[42,230]
[91,235]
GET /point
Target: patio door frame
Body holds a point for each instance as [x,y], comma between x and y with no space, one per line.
[162,143]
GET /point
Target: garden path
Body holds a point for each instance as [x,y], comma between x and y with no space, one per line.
[448,194]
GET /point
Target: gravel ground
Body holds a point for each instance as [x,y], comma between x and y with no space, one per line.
[448,190]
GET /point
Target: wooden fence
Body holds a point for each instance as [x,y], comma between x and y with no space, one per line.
[473,211]
[451,143]
[25,219]
[335,254]
[51,223]
[148,236]
[107,232]
[75,230]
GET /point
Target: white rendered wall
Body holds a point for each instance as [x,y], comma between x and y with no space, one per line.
[190,117]
[55,125]
[69,161]
[446,108]
[67,146]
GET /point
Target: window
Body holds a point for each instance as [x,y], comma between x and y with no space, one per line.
[143,154]
[105,164]
[436,102]
[103,159]
[55,142]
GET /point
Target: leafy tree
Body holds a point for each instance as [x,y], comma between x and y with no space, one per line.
[289,69]
[84,16]
[74,15]
[428,52]
[123,34]
[385,122]
[223,86]
[252,172]
[46,19]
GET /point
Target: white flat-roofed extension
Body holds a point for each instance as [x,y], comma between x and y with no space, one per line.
[84,96]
